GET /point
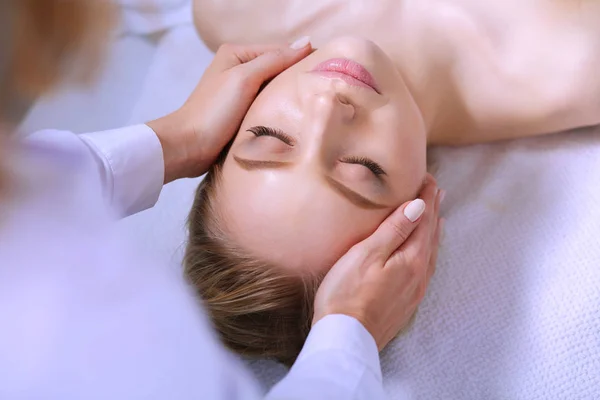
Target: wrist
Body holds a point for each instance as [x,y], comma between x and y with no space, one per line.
[178,154]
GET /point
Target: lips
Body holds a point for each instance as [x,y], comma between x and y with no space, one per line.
[347,70]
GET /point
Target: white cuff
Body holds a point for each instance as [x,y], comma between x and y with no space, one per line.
[134,166]
[345,334]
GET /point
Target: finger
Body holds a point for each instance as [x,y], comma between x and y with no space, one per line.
[438,201]
[271,63]
[435,248]
[230,55]
[420,281]
[419,242]
[395,230]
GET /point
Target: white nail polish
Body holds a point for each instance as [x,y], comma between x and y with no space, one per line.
[442,195]
[300,43]
[414,210]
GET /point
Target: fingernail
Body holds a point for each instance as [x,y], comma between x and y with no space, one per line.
[414,210]
[300,43]
[442,195]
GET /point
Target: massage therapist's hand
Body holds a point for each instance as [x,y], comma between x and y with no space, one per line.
[193,136]
[381,280]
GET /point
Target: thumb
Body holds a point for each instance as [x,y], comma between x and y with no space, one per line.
[271,63]
[396,229]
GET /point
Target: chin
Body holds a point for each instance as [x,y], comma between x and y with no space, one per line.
[354,47]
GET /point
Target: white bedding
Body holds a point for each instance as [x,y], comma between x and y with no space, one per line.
[513,311]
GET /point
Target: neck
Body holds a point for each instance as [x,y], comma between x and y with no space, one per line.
[423,60]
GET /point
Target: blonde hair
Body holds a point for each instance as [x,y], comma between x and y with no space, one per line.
[258,309]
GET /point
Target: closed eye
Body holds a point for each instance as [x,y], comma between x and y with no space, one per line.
[276,133]
[367,162]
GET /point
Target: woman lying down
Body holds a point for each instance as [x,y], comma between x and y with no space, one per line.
[334,144]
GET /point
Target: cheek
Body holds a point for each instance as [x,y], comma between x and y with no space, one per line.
[406,159]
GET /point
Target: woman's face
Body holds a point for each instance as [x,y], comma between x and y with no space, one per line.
[323,157]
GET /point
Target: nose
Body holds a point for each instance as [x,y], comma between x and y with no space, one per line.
[327,121]
[329,107]
[326,113]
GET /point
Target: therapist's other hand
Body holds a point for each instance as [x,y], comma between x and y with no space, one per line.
[381,280]
[193,136]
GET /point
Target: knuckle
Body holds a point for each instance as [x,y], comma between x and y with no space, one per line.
[399,258]
[401,229]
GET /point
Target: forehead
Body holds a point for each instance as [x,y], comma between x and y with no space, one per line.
[292,220]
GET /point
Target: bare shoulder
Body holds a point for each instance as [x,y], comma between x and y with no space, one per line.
[266,21]
[222,21]
[525,70]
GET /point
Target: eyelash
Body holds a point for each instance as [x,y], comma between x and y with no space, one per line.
[276,133]
[372,165]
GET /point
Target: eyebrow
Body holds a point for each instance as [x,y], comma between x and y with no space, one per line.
[352,196]
[251,165]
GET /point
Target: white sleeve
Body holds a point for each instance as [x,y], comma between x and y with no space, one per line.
[339,360]
[129,163]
